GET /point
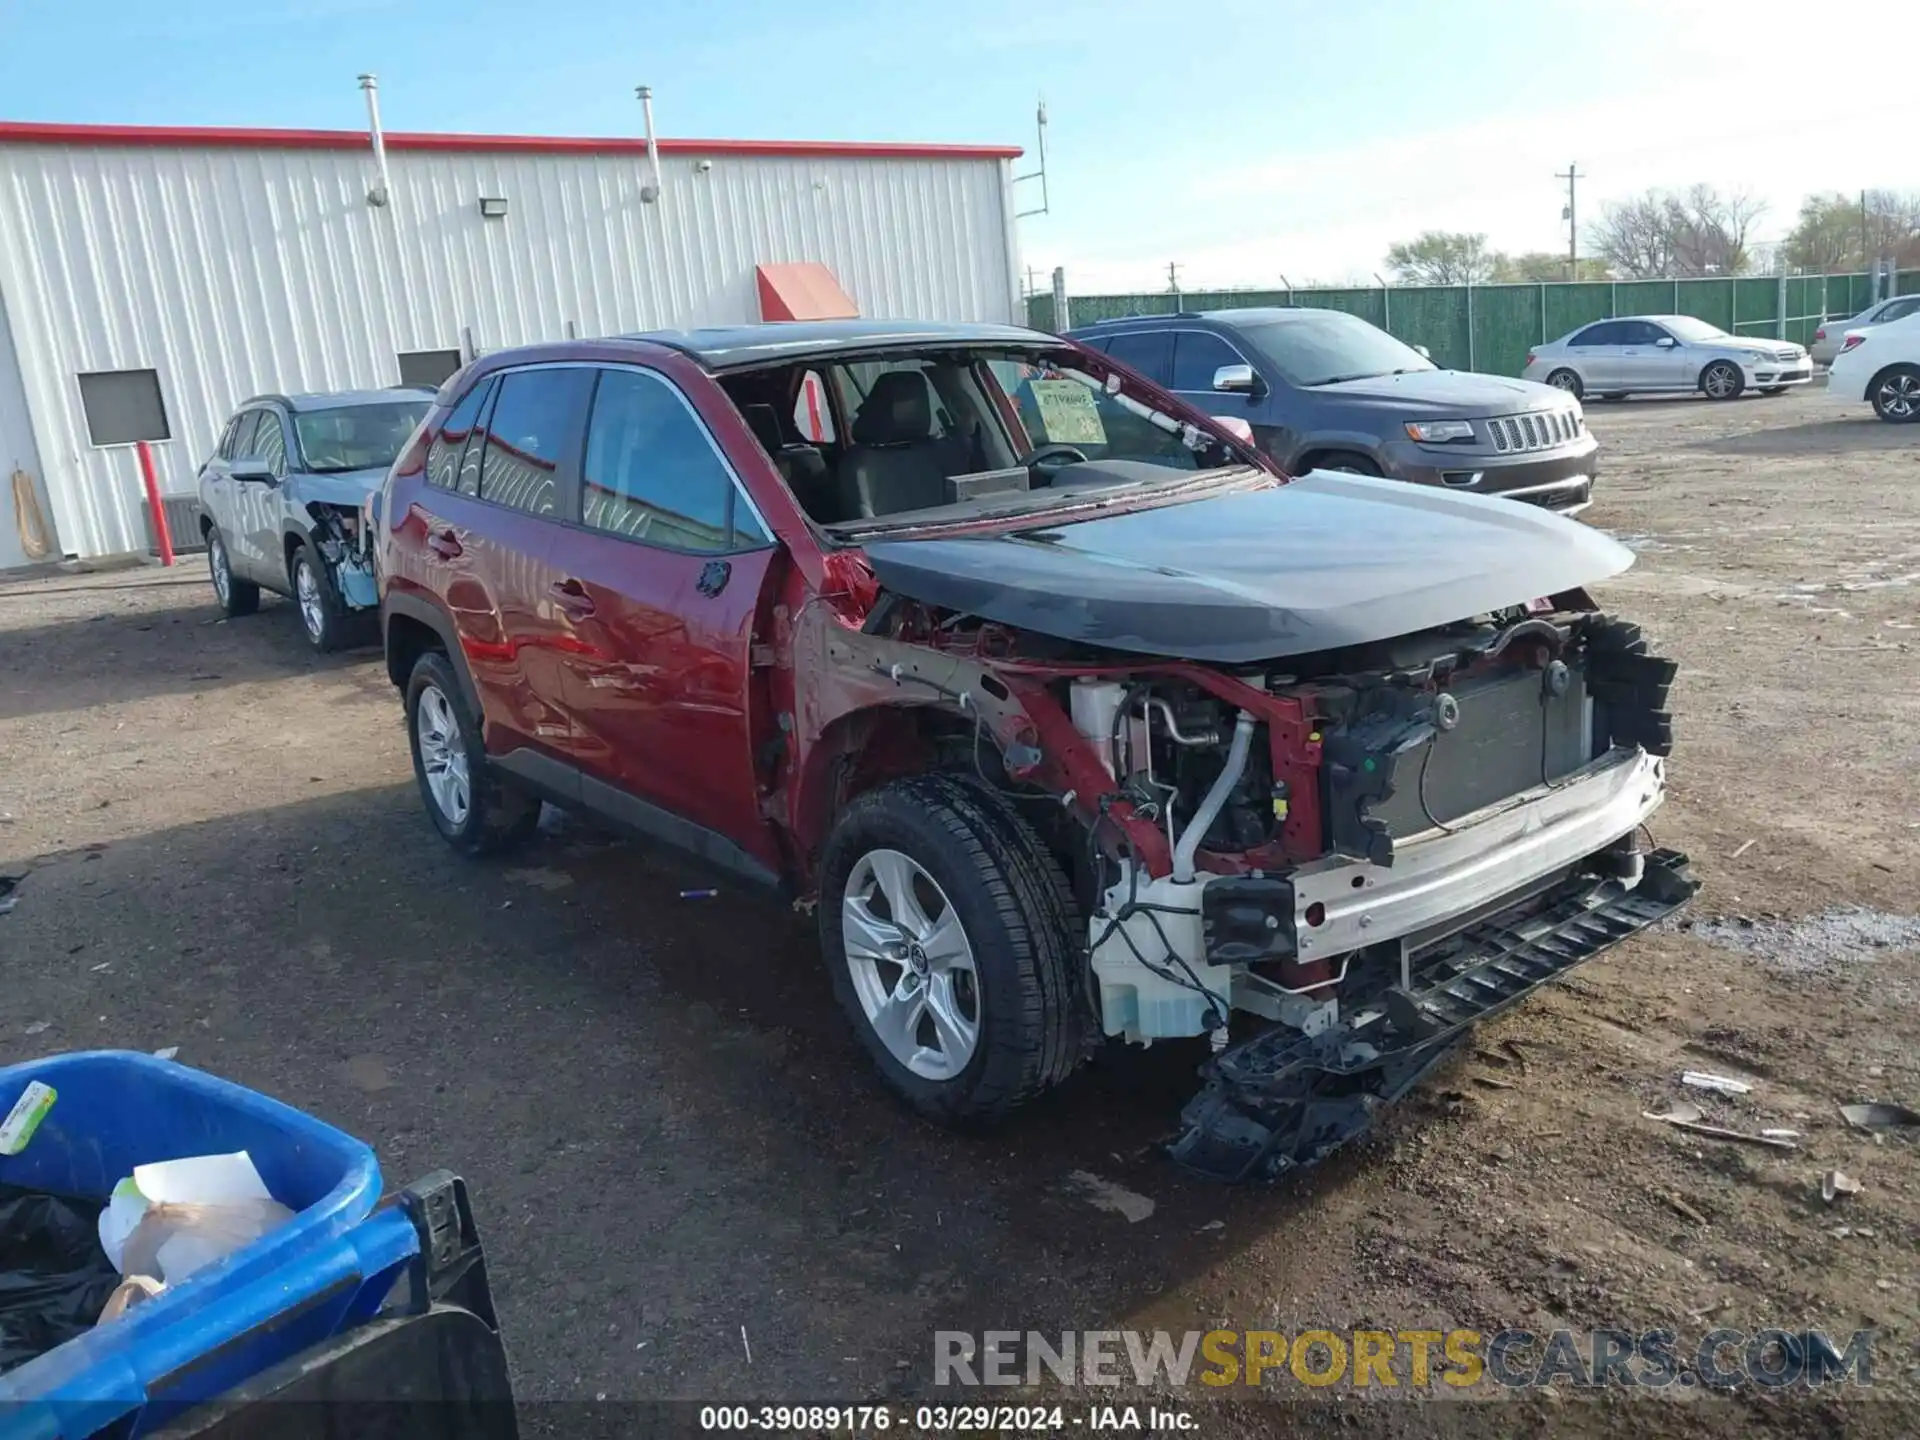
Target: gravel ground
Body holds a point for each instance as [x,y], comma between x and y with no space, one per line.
[670,1135]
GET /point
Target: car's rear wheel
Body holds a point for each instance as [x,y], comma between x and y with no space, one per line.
[236,596]
[1896,394]
[1722,380]
[474,809]
[1566,380]
[952,946]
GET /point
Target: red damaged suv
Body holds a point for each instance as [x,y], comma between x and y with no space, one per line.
[1073,716]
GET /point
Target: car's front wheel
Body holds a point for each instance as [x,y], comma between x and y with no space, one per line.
[473,808]
[321,614]
[952,944]
[1566,380]
[236,596]
[1722,380]
[1896,394]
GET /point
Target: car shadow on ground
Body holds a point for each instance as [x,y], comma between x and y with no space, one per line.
[121,656]
[1862,432]
[668,1126]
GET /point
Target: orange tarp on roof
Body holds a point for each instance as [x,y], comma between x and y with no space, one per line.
[802,290]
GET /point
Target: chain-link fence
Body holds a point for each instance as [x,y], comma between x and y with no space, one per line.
[1491,327]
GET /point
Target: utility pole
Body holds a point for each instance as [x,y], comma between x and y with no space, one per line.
[1173,282]
[1866,258]
[1572,176]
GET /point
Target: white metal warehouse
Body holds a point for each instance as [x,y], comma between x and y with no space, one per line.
[197,267]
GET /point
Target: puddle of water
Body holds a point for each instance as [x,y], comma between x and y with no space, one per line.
[1818,944]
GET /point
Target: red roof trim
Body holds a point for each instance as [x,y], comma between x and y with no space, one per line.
[35,133]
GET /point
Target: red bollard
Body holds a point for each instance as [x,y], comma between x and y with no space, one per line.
[154,507]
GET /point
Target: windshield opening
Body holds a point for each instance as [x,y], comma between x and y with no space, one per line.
[356,437]
[1324,347]
[960,433]
[1688,328]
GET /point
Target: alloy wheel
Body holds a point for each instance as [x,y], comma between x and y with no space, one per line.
[1900,396]
[1562,380]
[221,568]
[912,965]
[306,589]
[443,754]
[1721,381]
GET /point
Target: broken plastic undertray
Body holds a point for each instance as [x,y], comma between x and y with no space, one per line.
[1877,1118]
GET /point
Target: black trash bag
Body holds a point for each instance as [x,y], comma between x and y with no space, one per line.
[54,1277]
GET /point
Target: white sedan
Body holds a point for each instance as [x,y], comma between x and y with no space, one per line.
[1880,367]
[1666,354]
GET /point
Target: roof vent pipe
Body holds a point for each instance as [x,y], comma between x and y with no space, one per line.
[382,190]
[650,193]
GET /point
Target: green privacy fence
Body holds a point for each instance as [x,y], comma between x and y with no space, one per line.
[1491,327]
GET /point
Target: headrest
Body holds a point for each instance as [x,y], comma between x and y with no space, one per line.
[897,411]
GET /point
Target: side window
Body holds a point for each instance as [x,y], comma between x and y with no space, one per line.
[652,474]
[525,437]
[1899,309]
[1639,332]
[443,455]
[225,448]
[243,428]
[1148,351]
[270,442]
[812,416]
[1196,355]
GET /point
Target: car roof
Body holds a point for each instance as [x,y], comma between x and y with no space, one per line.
[340,399]
[1264,314]
[732,346]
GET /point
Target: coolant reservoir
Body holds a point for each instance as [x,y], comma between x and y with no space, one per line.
[1149,996]
[1095,706]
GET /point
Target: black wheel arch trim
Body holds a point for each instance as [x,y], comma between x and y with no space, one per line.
[414,608]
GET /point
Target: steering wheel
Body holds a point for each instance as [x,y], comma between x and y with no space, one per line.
[1049,460]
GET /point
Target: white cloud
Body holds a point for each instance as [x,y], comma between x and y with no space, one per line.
[1330,215]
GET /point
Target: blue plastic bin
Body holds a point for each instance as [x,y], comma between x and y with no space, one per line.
[323,1271]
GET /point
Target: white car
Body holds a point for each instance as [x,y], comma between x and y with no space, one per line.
[1880,367]
[1826,340]
[1670,354]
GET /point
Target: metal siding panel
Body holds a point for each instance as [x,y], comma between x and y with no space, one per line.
[234,271]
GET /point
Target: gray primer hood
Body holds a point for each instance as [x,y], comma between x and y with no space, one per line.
[1325,561]
[345,487]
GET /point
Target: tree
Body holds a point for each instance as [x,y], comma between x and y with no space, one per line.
[1536,266]
[1666,233]
[1838,232]
[1442,257]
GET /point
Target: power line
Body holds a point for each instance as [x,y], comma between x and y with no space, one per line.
[1572,176]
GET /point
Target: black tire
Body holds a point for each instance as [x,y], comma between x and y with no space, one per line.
[1020,921]
[1347,462]
[499,815]
[1896,394]
[323,618]
[236,597]
[1773,389]
[1722,380]
[1567,380]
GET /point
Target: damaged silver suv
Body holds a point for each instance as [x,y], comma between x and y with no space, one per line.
[281,502]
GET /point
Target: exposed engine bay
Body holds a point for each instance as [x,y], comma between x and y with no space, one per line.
[342,534]
[1347,856]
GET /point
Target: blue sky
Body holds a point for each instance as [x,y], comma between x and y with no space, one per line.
[1245,140]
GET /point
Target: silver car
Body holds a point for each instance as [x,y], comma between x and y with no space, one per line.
[1666,354]
[1827,339]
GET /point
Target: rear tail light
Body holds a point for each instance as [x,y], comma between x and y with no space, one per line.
[1854,342]
[1529,357]
[1821,333]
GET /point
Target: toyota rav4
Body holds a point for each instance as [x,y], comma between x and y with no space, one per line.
[1074,717]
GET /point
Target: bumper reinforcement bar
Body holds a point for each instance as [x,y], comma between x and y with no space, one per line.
[1283,1100]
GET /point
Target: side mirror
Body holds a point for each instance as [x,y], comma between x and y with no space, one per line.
[1666,342]
[1423,352]
[1235,379]
[252,469]
[1236,427]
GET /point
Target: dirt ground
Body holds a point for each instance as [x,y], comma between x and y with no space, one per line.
[671,1137]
